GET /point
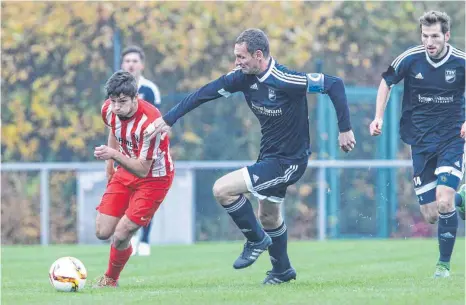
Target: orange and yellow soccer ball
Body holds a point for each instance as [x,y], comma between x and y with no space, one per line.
[68,274]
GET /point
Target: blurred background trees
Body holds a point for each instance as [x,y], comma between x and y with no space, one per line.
[57,56]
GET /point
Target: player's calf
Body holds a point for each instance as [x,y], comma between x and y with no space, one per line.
[447,227]
[105,226]
[120,251]
[460,201]
[272,220]
[430,212]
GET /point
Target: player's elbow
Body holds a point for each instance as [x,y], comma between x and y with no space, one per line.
[142,172]
[335,85]
[339,82]
[383,85]
[140,175]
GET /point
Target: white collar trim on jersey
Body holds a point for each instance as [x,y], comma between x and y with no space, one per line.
[142,80]
[269,70]
[438,64]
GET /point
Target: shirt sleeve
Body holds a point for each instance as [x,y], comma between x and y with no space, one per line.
[223,86]
[299,83]
[106,113]
[290,81]
[157,96]
[335,88]
[399,67]
[150,97]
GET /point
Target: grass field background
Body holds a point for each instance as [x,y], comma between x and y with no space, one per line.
[332,272]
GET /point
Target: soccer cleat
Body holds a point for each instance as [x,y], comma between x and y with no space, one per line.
[273,278]
[251,252]
[442,270]
[462,193]
[144,249]
[105,281]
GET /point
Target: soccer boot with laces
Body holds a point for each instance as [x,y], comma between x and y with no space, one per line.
[105,281]
[274,278]
[251,251]
[442,270]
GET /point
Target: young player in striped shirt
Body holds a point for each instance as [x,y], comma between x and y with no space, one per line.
[133,61]
[143,176]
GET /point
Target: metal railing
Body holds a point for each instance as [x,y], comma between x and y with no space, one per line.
[321,165]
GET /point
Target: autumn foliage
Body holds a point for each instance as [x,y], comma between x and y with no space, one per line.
[56,56]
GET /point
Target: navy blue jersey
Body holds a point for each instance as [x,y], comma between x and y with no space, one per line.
[277,97]
[433,101]
[148,91]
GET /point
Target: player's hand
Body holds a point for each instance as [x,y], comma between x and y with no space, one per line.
[103,152]
[347,141]
[375,128]
[463,131]
[110,169]
[158,126]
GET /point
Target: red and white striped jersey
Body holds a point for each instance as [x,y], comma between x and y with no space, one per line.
[133,144]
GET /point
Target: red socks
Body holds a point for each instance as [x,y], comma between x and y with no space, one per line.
[117,261]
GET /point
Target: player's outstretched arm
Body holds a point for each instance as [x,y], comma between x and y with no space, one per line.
[223,86]
[375,128]
[192,101]
[335,88]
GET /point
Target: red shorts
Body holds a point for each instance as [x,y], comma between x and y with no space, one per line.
[138,198]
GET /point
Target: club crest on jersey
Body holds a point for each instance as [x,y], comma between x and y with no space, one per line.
[450,75]
[272,95]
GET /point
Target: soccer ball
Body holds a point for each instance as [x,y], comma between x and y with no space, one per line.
[68,274]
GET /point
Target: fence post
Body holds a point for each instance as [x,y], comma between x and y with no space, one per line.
[44,207]
[321,174]
[392,151]
[116,48]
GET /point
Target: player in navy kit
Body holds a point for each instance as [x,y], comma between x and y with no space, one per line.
[277,96]
[132,61]
[433,123]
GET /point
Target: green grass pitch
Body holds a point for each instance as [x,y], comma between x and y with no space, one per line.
[332,272]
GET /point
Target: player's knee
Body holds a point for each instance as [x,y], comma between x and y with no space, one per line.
[270,220]
[445,199]
[121,238]
[220,191]
[431,216]
[102,233]
[105,226]
[445,206]
[430,212]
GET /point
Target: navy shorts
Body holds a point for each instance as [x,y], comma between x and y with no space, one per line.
[442,164]
[268,179]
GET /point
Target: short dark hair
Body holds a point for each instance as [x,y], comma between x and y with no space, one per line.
[255,39]
[121,82]
[433,17]
[133,49]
